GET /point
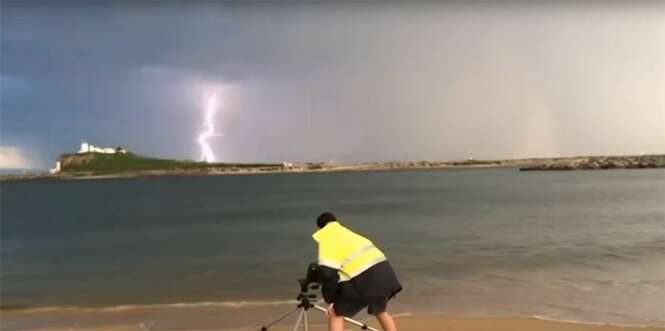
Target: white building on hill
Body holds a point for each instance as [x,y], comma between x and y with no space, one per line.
[90,148]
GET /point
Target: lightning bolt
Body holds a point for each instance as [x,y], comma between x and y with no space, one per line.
[207,155]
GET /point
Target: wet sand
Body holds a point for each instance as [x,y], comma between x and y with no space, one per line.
[422,323]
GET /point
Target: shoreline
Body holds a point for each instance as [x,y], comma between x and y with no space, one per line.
[405,322]
[187,173]
[652,161]
[248,315]
[342,169]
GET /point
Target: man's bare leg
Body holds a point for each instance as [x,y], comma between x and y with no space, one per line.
[335,323]
[386,321]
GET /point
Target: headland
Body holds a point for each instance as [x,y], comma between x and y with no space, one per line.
[90,165]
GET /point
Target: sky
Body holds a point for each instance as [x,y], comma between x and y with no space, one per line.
[345,82]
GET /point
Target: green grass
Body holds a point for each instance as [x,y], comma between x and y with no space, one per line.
[122,163]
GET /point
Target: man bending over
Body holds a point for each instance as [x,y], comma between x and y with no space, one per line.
[355,274]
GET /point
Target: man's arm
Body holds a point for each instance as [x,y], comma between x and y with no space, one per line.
[329,265]
[329,282]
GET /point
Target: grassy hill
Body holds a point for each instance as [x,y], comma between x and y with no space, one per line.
[100,164]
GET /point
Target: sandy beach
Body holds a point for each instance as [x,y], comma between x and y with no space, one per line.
[421,323]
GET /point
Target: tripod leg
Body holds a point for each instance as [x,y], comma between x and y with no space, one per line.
[306,321]
[297,326]
[264,328]
[349,320]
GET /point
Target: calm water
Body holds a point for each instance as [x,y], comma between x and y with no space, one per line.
[568,245]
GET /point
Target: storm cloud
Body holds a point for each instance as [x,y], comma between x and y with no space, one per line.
[345,82]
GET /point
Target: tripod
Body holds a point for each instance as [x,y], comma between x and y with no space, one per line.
[307,300]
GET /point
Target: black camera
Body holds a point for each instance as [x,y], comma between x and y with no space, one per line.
[312,277]
[313,274]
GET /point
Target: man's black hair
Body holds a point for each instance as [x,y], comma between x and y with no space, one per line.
[325,218]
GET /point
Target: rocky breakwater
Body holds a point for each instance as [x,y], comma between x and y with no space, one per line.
[599,163]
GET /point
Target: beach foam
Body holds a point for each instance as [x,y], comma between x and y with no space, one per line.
[119,308]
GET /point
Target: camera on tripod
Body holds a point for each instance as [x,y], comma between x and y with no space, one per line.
[312,279]
[307,300]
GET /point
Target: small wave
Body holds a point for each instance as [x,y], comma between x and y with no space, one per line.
[504,277]
[569,308]
[538,317]
[177,305]
[579,281]
[614,255]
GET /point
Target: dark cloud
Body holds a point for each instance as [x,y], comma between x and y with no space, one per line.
[350,82]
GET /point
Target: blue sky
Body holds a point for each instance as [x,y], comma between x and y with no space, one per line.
[344,82]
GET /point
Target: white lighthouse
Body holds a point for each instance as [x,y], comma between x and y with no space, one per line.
[90,148]
[85,148]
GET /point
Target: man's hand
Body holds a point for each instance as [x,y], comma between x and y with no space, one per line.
[331,310]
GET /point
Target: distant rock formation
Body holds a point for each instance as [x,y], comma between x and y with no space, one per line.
[68,161]
[90,165]
[599,162]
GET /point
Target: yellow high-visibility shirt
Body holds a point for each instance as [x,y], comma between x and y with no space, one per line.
[345,250]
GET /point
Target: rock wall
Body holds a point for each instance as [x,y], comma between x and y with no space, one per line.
[600,162]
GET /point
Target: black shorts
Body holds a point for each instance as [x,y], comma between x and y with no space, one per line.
[372,289]
[351,308]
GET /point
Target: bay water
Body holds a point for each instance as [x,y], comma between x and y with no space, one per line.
[579,245]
